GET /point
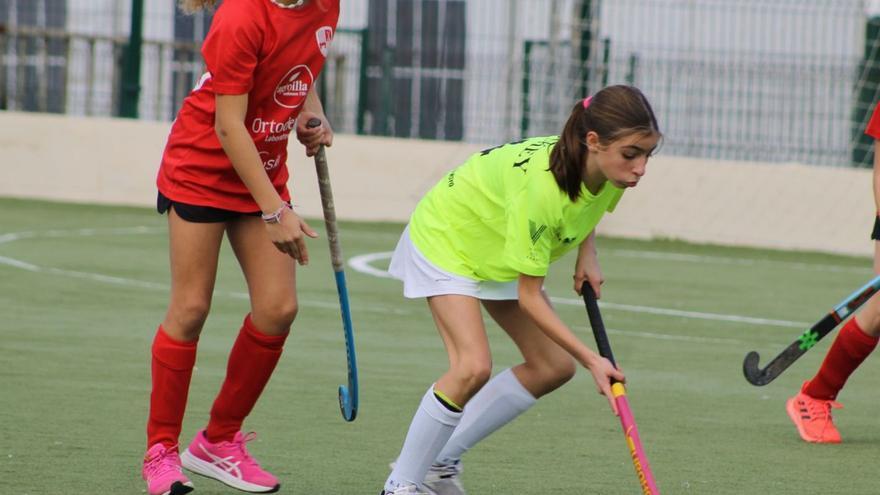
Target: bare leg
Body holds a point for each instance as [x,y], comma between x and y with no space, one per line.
[512,392]
[194,251]
[547,366]
[460,323]
[194,248]
[869,317]
[270,276]
[271,283]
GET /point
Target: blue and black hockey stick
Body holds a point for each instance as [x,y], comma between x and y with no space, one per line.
[809,338]
[348,395]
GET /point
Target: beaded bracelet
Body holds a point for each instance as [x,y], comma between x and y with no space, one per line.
[275,216]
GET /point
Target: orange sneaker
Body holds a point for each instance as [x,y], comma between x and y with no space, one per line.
[812,417]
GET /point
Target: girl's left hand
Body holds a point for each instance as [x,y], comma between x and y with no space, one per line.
[587,269]
[313,138]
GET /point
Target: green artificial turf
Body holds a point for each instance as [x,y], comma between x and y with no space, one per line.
[82,289]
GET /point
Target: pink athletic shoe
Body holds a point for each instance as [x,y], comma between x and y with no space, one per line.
[162,472]
[813,419]
[228,462]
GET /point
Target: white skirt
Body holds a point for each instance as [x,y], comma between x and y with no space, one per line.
[421,278]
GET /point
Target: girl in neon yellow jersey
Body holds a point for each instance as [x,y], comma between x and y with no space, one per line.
[486,235]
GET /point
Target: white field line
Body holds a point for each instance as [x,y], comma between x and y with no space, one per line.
[362,264]
[359,263]
[670,337]
[723,260]
[686,314]
[128,282]
[623,253]
[87,232]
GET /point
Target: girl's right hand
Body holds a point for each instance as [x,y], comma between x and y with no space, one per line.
[603,371]
[287,235]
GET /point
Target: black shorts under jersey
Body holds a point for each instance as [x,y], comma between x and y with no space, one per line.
[200,214]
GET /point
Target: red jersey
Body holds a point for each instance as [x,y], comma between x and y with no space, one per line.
[873,128]
[272,53]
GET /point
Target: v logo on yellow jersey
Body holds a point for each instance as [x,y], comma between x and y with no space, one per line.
[535,231]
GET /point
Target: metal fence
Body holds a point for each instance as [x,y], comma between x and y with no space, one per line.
[53,70]
[777,81]
[764,80]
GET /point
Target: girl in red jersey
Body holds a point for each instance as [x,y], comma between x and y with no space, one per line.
[224,172]
[810,409]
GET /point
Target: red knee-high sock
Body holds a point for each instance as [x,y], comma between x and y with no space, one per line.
[849,349]
[251,362]
[172,367]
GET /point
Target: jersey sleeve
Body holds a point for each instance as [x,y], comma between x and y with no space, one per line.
[873,128]
[528,242]
[232,47]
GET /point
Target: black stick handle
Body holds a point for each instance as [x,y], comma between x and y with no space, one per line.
[596,323]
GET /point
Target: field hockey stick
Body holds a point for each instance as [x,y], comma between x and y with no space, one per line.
[808,339]
[630,430]
[348,395]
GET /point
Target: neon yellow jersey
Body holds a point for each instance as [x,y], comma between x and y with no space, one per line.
[502,213]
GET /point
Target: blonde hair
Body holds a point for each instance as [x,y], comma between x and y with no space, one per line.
[193,6]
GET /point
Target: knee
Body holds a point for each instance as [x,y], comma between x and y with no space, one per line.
[869,318]
[474,374]
[285,312]
[186,318]
[561,371]
[277,317]
[552,373]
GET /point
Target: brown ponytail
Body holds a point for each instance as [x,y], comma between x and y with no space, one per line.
[614,112]
[193,6]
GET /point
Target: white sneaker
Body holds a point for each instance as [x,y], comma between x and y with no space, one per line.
[404,490]
[445,479]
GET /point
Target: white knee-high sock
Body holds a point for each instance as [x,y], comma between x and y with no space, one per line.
[499,402]
[429,431]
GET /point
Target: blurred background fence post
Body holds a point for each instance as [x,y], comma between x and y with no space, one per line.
[131,64]
[585,28]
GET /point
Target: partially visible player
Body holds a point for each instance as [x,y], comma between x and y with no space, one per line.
[810,409]
[224,172]
[485,236]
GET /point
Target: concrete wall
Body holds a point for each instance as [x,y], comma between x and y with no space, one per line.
[786,206]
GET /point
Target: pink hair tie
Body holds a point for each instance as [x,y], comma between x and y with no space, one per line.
[587,101]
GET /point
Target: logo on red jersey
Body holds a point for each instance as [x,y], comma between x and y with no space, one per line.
[324,36]
[270,163]
[271,129]
[294,86]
